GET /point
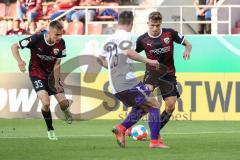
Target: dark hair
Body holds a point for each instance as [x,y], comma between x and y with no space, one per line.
[125,18]
[56,24]
[155,16]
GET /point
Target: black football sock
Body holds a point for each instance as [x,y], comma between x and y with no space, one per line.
[48,119]
[165,118]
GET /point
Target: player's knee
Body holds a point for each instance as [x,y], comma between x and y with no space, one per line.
[170,107]
[64,104]
[155,106]
[154,103]
[150,87]
[46,107]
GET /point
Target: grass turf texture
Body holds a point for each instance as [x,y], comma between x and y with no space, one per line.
[90,140]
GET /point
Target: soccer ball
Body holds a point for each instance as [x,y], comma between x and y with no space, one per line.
[139,132]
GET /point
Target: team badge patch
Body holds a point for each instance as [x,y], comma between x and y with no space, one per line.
[55,51]
[24,43]
[166,40]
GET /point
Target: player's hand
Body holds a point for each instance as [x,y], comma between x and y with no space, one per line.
[200,12]
[186,54]
[22,66]
[153,63]
[58,87]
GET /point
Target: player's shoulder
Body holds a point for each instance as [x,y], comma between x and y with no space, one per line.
[119,36]
[62,41]
[34,38]
[39,34]
[122,34]
[144,35]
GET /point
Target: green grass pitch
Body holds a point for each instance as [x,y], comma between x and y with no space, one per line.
[26,139]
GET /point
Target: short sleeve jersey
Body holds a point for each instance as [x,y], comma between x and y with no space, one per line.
[160,48]
[43,54]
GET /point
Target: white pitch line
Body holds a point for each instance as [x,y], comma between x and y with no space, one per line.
[229,45]
[110,135]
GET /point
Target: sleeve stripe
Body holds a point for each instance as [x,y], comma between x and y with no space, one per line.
[182,40]
[19,45]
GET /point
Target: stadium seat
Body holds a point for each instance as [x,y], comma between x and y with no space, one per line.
[95,28]
[75,28]
[3,27]
[48,10]
[111,4]
[238,24]
[107,18]
[236,31]
[12,12]
[2,9]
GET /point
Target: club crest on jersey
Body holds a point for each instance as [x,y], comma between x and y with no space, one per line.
[55,51]
[166,40]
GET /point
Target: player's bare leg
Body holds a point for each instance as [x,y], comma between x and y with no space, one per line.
[152,107]
[64,105]
[120,130]
[170,107]
[151,87]
[44,98]
[164,116]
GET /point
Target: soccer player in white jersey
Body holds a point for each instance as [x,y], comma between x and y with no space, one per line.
[118,55]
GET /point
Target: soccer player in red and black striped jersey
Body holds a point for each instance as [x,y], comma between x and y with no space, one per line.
[158,44]
[47,49]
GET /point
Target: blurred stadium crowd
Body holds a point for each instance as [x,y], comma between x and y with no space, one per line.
[19,17]
[29,16]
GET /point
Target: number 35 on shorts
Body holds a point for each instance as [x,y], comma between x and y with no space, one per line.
[38,84]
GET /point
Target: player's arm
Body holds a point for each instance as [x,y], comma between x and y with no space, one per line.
[16,55]
[180,39]
[200,11]
[132,54]
[102,61]
[207,7]
[28,42]
[57,72]
[139,46]
[188,49]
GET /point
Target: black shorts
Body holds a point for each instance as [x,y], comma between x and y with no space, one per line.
[167,84]
[40,84]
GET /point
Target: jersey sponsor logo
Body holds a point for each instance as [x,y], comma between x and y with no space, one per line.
[24,43]
[46,58]
[160,50]
[55,51]
[166,40]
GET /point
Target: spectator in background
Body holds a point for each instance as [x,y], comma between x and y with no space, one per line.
[80,14]
[16,30]
[111,13]
[203,14]
[62,6]
[125,2]
[32,9]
